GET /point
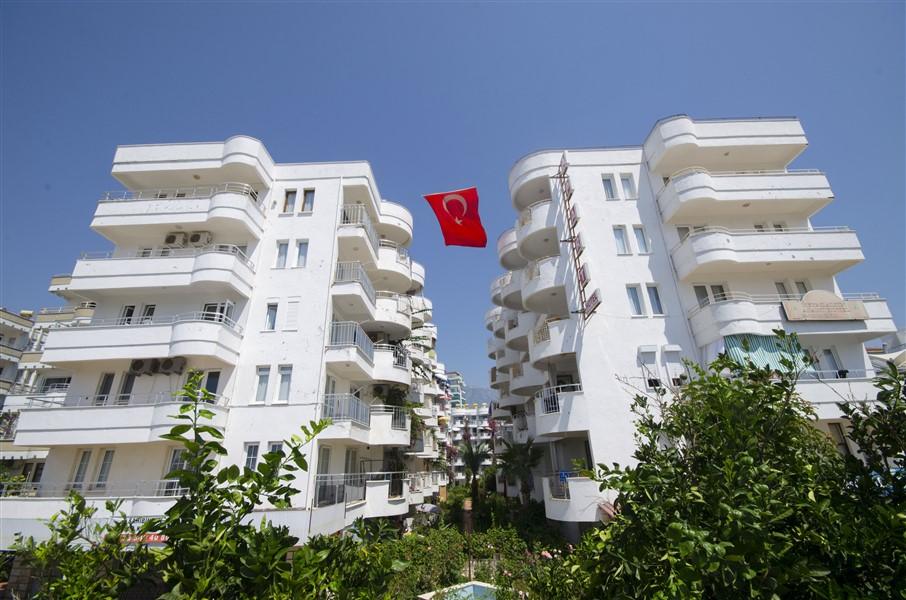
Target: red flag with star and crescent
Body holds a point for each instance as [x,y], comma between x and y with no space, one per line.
[457,213]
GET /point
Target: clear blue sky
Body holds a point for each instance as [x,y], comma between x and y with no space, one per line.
[437,97]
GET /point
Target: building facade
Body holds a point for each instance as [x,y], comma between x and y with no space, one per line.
[625,262]
[289,286]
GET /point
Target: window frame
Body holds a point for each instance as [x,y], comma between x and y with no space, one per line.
[284,370]
[307,208]
[633,187]
[638,230]
[660,302]
[261,394]
[634,287]
[284,246]
[299,245]
[613,195]
[619,233]
[270,324]
[291,205]
[247,455]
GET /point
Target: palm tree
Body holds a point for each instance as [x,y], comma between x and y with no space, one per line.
[518,462]
[473,457]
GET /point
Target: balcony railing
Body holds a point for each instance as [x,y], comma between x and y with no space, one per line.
[403,303]
[558,484]
[696,231]
[400,418]
[550,397]
[689,171]
[356,215]
[770,299]
[346,407]
[112,399]
[173,253]
[143,321]
[335,488]
[400,355]
[543,332]
[183,193]
[9,421]
[344,334]
[837,374]
[354,272]
[402,253]
[20,389]
[118,489]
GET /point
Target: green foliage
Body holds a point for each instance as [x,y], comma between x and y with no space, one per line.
[434,559]
[472,456]
[84,558]
[517,462]
[737,494]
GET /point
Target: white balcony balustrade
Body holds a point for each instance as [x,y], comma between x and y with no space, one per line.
[552,338]
[395,222]
[544,285]
[508,252]
[715,251]
[352,289]
[573,498]
[537,234]
[392,364]
[357,238]
[560,410]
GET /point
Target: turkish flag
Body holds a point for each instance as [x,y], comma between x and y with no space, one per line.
[457,213]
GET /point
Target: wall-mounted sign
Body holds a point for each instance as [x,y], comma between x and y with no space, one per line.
[819,305]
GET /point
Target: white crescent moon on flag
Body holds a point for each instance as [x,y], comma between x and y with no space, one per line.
[455,198]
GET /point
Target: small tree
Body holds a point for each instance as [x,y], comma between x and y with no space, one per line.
[518,461]
[472,457]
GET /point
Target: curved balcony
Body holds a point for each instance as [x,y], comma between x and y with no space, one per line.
[395,222]
[518,329]
[229,210]
[561,410]
[498,379]
[357,238]
[390,425]
[497,288]
[544,286]
[352,289]
[495,345]
[491,317]
[392,315]
[698,195]
[680,142]
[510,400]
[422,310]
[507,251]
[213,269]
[508,359]
[529,179]
[511,291]
[418,276]
[391,363]
[537,234]
[569,497]
[713,251]
[350,418]
[201,334]
[393,270]
[552,339]
[860,317]
[107,419]
[525,379]
[338,499]
[349,352]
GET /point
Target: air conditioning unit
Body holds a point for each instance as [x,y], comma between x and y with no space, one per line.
[152,366]
[200,238]
[173,365]
[379,390]
[138,366]
[175,239]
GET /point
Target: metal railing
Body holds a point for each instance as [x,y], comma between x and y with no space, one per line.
[53,388]
[344,334]
[403,303]
[550,397]
[400,355]
[400,415]
[335,488]
[356,215]
[402,253]
[559,484]
[543,331]
[689,171]
[165,252]
[114,399]
[354,272]
[142,321]
[696,231]
[109,489]
[837,374]
[771,299]
[346,407]
[183,193]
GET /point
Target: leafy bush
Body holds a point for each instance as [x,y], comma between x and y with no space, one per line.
[433,558]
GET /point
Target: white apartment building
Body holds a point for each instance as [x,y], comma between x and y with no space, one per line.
[624,262]
[469,421]
[289,285]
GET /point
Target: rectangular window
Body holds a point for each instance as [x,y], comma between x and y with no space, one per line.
[100,482]
[802,287]
[127,314]
[282,249]
[212,381]
[147,313]
[291,323]
[609,191]
[323,459]
[144,252]
[251,456]
[641,239]
[78,477]
[308,201]
[289,202]
[286,377]
[126,385]
[301,253]
[275,447]
[718,293]
[270,319]
[104,388]
[264,375]
[779,226]
[619,236]
[628,187]
[781,288]
[635,300]
[829,363]
[654,299]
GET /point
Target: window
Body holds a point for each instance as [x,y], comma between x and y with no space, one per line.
[251,456]
[802,287]
[301,253]
[829,363]
[78,477]
[759,226]
[282,249]
[270,319]
[323,459]
[286,377]
[635,300]
[291,323]
[289,202]
[781,288]
[641,239]
[147,313]
[217,311]
[212,381]
[628,187]
[264,375]
[127,314]
[105,386]
[839,437]
[609,191]
[779,226]
[100,482]
[682,231]
[126,385]
[654,299]
[308,201]
[275,447]
[619,236]
[144,252]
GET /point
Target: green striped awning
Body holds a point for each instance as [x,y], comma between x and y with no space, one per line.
[763,351]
